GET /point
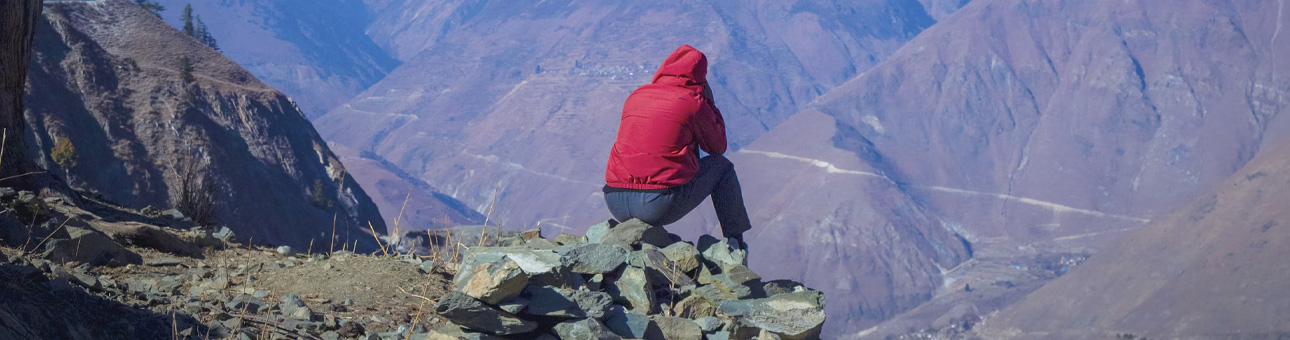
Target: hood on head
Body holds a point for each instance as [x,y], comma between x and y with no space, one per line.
[685,67]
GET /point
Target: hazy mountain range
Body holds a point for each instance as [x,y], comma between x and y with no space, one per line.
[925,163]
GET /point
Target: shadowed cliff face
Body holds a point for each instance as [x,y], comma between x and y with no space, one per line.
[107,76]
[314,51]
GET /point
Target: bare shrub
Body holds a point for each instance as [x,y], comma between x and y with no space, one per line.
[194,193]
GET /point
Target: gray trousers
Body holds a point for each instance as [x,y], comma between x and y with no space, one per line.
[716,178]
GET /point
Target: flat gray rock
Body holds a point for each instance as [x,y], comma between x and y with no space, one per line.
[594,258]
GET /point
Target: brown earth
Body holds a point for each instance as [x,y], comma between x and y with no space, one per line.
[1213,269]
[106,76]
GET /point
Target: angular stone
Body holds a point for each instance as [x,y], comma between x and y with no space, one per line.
[564,239]
[473,314]
[241,303]
[664,272]
[768,335]
[791,316]
[294,308]
[567,303]
[633,289]
[673,328]
[685,255]
[594,258]
[164,262]
[225,234]
[719,254]
[633,233]
[541,243]
[720,335]
[491,278]
[695,306]
[709,324]
[598,231]
[531,234]
[584,329]
[514,305]
[738,281]
[542,266]
[630,325]
[777,287]
[86,245]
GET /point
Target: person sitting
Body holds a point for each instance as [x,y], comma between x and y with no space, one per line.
[655,172]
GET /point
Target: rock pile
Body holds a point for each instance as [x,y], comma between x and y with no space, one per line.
[628,280]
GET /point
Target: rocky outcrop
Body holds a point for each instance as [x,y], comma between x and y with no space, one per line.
[620,290]
[158,119]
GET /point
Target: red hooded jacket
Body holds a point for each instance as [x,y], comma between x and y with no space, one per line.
[662,123]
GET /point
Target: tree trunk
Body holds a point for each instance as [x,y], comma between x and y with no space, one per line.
[18,21]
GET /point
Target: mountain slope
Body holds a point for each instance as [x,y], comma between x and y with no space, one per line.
[838,225]
[1068,122]
[1213,269]
[316,52]
[108,76]
[524,97]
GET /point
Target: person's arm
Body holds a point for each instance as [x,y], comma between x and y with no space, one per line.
[710,125]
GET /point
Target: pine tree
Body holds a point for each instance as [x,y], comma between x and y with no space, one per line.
[186,70]
[187,17]
[151,6]
[204,34]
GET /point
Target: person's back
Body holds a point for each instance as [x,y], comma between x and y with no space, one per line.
[654,172]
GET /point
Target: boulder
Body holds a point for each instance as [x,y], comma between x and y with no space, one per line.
[594,258]
[673,328]
[90,246]
[491,278]
[515,305]
[294,308]
[598,231]
[567,303]
[633,289]
[791,316]
[777,287]
[718,253]
[541,243]
[633,233]
[685,255]
[531,234]
[661,269]
[738,281]
[584,329]
[542,266]
[473,314]
[695,306]
[564,239]
[630,325]
[709,324]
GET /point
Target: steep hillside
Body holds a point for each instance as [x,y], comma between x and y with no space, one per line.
[109,77]
[524,97]
[314,51]
[1213,269]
